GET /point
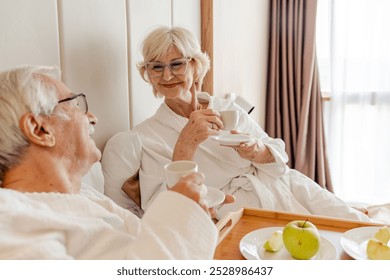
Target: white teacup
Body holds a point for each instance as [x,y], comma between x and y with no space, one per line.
[229,119]
[177,169]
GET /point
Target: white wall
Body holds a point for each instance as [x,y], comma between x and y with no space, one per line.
[28,33]
[241,51]
[94,59]
[96,45]
[144,16]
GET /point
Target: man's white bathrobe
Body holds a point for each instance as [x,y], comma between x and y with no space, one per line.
[90,226]
[272,186]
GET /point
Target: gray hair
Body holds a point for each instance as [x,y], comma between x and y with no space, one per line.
[22,90]
[160,40]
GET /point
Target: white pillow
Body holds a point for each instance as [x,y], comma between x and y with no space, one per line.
[94,178]
[121,159]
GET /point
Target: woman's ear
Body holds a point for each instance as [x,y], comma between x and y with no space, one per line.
[37,130]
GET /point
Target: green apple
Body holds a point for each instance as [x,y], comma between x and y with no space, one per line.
[383,235]
[301,239]
[275,242]
[377,246]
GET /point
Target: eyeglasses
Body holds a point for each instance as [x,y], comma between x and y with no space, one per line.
[81,102]
[178,67]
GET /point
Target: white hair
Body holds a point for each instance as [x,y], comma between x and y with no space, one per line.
[160,40]
[22,90]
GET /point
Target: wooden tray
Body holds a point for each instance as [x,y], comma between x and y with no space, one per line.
[235,226]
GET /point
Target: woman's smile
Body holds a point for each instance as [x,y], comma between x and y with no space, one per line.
[171,85]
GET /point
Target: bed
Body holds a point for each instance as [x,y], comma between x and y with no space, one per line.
[379,213]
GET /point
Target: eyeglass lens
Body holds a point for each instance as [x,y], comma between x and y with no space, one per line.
[82,103]
[178,67]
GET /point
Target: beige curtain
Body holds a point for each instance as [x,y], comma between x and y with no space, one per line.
[294,108]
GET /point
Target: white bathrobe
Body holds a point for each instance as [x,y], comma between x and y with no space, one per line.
[90,226]
[269,186]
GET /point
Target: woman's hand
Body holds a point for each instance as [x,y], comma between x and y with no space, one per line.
[254,151]
[202,123]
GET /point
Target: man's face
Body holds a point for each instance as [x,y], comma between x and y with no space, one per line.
[73,132]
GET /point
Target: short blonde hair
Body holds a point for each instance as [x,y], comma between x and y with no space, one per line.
[158,42]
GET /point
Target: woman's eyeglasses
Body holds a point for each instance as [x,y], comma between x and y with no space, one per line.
[81,100]
[178,67]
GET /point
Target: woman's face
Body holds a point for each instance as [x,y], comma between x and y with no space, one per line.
[169,84]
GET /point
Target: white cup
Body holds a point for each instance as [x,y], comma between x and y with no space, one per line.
[177,169]
[229,119]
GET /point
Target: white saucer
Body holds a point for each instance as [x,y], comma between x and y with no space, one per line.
[228,139]
[214,196]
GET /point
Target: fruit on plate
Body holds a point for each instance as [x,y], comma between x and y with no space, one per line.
[275,242]
[301,239]
[377,246]
[383,235]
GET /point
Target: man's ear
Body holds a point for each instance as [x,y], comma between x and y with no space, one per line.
[37,129]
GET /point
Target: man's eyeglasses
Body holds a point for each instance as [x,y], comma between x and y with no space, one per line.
[178,67]
[81,101]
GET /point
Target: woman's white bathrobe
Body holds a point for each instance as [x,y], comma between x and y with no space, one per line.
[270,186]
[90,226]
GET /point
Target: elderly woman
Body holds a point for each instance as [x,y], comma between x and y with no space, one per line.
[185,126]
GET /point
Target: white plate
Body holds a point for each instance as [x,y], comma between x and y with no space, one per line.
[251,247]
[354,241]
[214,196]
[229,139]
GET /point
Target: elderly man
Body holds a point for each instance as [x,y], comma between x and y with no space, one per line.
[46,212]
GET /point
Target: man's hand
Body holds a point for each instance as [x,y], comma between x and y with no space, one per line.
[192,187]
[228,199]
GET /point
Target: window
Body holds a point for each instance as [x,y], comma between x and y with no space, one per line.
[353,50]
